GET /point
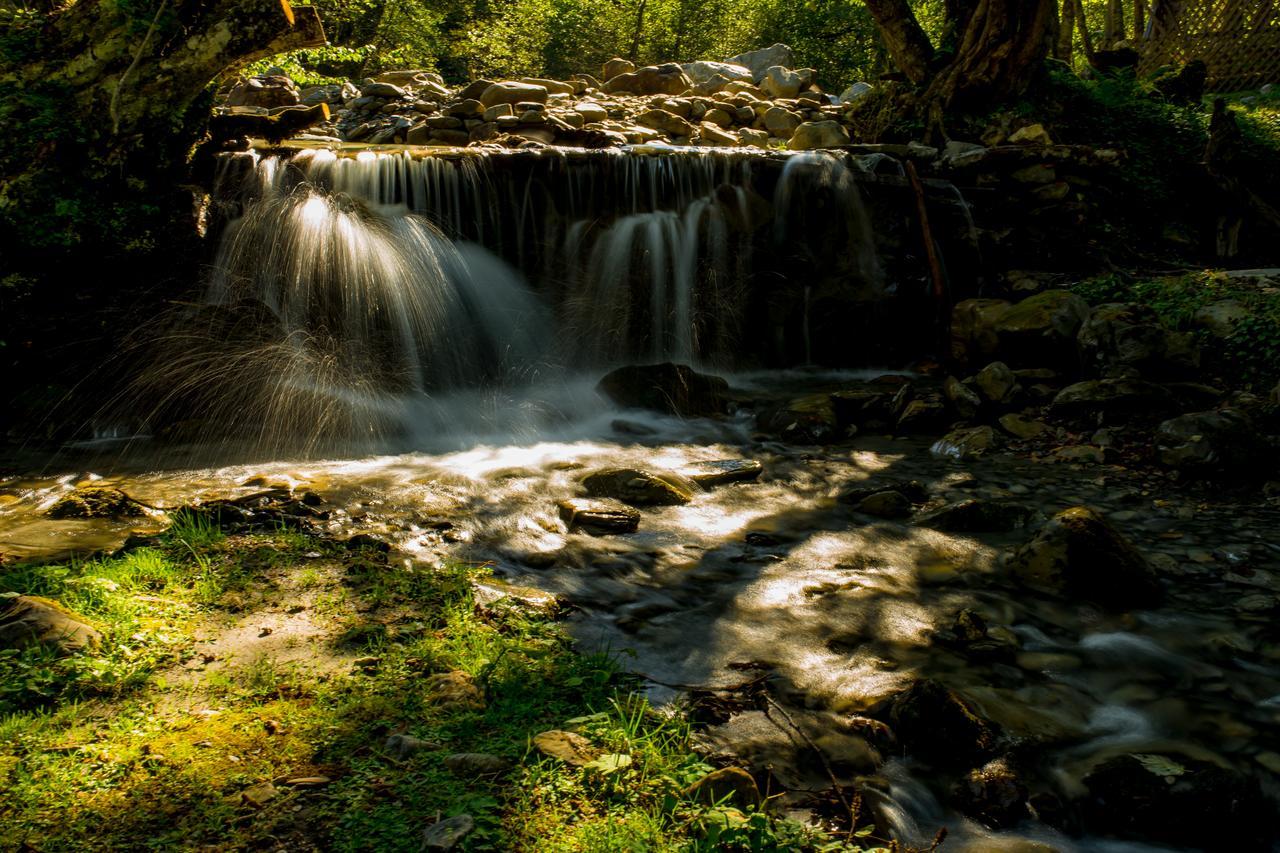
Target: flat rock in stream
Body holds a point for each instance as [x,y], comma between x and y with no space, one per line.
[722,471]
[30,619]
[599,515]
[639,487]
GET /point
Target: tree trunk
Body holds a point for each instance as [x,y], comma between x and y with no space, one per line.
[998,48]
[1086,41]
[1113,30]
[1066,31]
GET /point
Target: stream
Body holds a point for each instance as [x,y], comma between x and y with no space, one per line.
[840,610]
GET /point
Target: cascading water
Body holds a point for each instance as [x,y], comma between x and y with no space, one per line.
[360,297]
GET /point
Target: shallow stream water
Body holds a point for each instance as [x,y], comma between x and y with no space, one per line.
[841,610]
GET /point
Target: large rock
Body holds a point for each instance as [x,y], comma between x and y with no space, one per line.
[996,382]
[758,62]
[1217,442]
[1220,318]
[936,724]
[973,328]
[666,122]
[719,472]
[728,783]
[598,516]
[804,420]
[702,72]
[780,82]
[638,487]
[855,92]
[994,794]
[666,79]
[513,92]
[964,400]
[781,122]
[1112,398]
[1079,553]
[96,503]
[447,834]
[966,443]
[818,134]
[675,389]
[267,92]
[1041,330]
[1121,337]
[616,66]
[27,620]
[977,516]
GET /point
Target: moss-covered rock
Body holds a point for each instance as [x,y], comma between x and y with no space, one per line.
[638,487]
[1079,553]
[96,503]
[27,620]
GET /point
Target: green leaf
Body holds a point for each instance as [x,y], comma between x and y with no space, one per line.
[609,763]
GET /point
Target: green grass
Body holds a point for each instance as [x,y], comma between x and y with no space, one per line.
[126,749]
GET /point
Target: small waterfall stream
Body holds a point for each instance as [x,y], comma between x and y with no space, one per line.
[348,292]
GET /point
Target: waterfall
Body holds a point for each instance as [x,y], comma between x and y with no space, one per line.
[347,290]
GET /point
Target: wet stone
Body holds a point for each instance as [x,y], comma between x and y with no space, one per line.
[599,515]
[733,783]
[639,487]
[721,471]
[96,503]
[976,515]
[887,504]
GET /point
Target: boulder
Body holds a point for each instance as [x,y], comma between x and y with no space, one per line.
[973,328]
[780,82]
[731,783]
[913,490]
[934,723]
[1079,553]
[638,487]
[665,122]
[818,134]
[781,122]
[267,92]
[513,92]
[804,420]
[96,503]
[1022,427]
[616,66]
[473,90]
[964,401]
[1220,318]
[966,443]
[553,87]
[409,78]
[598,516]
[711,134]
[675,389]
[1179,801]
[1223,442]
[591,111]
[758,62]
[666,79]
[1041,330]
[996,382]
[855,92]
[702,72]
[923,414]
[27,620]
[1032,134]
[1112,398]
[386,91]
[1121,337]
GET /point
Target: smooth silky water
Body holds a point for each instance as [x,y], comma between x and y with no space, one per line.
[448,332]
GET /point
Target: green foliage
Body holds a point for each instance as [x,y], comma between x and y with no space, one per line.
[1250,355]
